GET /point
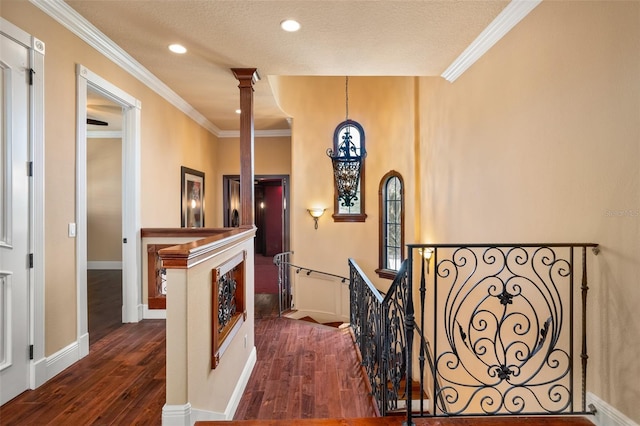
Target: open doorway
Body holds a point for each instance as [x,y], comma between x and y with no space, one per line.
[271,215]
[104,215]
[89,84]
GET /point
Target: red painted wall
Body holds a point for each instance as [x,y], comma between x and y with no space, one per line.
[273,219]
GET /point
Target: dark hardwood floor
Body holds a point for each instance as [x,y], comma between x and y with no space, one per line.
[303,370]
[104,300]
[122,380]
[266,306]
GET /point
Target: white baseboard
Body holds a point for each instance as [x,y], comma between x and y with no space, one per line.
[38,373]
[83,345]
[236,396]
[104,264]
[185,415]
[206,416]
[62,360]
[153,313]
[607,415]
[133,314]
[176,415]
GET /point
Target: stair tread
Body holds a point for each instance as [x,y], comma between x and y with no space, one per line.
[334,324]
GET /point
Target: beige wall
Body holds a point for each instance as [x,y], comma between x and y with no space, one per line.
[539,141]
[190,377]
[169,140]
[385,107]
[104,200]
[272,156]
[174,141]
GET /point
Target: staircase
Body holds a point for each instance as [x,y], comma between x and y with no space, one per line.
[383,327]
[333,324]
[415,402]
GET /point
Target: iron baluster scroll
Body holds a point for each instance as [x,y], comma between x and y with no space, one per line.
[366,319]
[228,302]
[394,341]
[378,326]
[502,328]
[227,308]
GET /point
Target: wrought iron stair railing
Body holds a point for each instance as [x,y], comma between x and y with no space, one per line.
[379,330]
[285,268]
[500,329]
[285,295]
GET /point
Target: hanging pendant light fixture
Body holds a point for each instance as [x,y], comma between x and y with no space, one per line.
[347,160]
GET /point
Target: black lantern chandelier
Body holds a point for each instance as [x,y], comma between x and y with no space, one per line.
[347,161]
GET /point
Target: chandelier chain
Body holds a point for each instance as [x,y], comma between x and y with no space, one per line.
[346,96]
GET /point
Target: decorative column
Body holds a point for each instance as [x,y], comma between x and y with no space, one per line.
[247,78]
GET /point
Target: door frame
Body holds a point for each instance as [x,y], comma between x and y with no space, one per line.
[37,370]
[131,261]
[286,217]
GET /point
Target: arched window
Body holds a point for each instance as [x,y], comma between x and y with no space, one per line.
[348,140]
[391,245]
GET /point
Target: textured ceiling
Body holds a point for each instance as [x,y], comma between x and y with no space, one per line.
[346,37]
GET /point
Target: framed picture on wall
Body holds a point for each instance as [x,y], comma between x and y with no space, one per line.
[192,196]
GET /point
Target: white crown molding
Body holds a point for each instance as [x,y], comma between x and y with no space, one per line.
[279,133]
[74,22]
[501,25]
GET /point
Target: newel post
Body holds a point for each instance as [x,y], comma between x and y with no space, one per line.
[247,78]
[583,355]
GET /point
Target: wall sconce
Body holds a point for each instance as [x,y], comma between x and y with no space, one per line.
[427,252]
[315,214]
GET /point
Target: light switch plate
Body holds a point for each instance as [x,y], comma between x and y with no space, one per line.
[72,230]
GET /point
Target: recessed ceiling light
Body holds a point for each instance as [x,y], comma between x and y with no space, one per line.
[177,48]
[290,25]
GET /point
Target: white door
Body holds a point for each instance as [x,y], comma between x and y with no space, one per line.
[14,219]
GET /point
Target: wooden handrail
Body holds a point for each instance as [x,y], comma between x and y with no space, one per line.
[184,256]
[181,232]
